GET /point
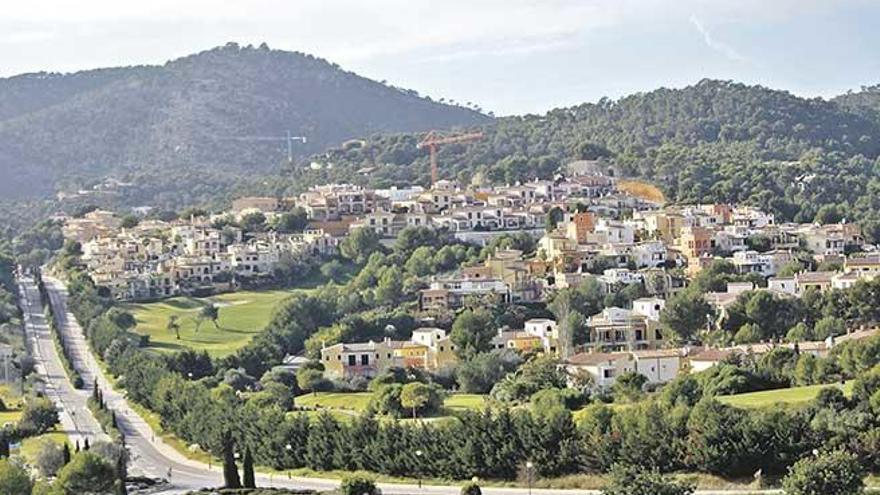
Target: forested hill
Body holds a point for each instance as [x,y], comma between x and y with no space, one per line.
[713,141]
[866,101]
[196,114]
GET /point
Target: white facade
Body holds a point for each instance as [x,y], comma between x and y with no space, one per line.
[650,307]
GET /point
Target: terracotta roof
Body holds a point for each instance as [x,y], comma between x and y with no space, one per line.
[594,358]
[713,355]
[815,277]
[657,353]
[864,260]
[857,335]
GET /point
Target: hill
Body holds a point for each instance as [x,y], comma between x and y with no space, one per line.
[712,141]
[865,101]
[199,114]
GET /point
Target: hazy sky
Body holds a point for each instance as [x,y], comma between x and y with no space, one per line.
[510,56]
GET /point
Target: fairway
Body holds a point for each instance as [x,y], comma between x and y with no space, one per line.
[347,401]
[794,395]
[241,315]
[358,401]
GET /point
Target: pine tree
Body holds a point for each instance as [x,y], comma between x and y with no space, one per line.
[320,445]
[248,468]
[230,470]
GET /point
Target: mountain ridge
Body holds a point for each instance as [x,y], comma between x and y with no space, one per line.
[214,108]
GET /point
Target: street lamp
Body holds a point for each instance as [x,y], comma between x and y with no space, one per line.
[419,466]
[529,467]
[288,448]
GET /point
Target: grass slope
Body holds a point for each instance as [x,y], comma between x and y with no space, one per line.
[356,402]
[788,396]
[241,316]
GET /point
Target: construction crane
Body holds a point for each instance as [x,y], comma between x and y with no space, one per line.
[436,138]
[289,138]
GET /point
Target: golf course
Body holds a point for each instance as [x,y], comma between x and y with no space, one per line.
[240,315]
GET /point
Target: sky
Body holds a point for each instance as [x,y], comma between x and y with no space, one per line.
[508,56]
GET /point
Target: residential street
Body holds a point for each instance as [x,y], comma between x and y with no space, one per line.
[151,456]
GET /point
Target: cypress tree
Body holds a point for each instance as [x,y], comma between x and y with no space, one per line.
[86,444]
[230,470]
[65,453]
[121,472]
[77,447]
[113,420]
[4,445]
[248,468]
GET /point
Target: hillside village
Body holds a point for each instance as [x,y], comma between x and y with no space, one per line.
[585,227]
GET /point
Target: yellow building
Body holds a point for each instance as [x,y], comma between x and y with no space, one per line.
[518,340]
[358,359]
[412,355]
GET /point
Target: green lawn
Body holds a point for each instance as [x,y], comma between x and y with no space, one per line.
[11,416]
[352,402]
[31,446]
[241,315]
[793,396]
[462,402]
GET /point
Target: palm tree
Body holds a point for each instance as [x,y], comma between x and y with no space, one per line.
[209,312]
[173,326]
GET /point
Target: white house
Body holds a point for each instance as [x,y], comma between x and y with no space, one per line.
[658,366]
[604,367]
[649,306]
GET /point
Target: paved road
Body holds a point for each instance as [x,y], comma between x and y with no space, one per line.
[76,419]
[154,458]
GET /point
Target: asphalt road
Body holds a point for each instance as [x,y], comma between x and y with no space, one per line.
[151,456]
[76,419]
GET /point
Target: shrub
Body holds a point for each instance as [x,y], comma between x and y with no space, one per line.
[358,485]
[50,458]
[39,416]
[633,480]
[831,472]
[471,489]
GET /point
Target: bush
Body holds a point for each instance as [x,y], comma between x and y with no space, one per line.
[358,485]
[39,416]
[14,478]
[634,480]
[50,458]
[831,472]
[471,489]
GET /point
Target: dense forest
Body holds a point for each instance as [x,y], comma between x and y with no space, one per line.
[198,119]
[713,141]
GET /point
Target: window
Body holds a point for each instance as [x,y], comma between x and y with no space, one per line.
[607,373]
[352,360]
[365,360]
